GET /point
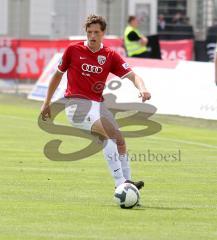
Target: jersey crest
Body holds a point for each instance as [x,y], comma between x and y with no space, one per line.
[101,59]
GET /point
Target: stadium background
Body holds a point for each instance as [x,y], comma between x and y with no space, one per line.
[44,199]
[20,26]
[20,18]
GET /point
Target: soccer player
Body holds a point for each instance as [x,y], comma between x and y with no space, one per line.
[87,65]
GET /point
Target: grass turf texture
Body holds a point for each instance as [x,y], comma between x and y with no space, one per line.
[43,199]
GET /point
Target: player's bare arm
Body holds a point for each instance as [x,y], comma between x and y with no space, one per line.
[45,109]
[139,84]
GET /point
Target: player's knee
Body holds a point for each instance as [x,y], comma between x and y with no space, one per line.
[120,142]
[121,149]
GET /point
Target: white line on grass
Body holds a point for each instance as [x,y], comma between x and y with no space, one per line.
[19,118]
[39,168]
[185,142]
[31,120]
[157,138]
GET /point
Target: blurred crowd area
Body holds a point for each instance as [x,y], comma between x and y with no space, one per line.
[178,20]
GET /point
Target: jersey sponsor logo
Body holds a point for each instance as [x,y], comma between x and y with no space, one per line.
[91,68]
[125,65]
[101,59]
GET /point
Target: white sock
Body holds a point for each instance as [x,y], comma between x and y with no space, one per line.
[111,155]
[125,165]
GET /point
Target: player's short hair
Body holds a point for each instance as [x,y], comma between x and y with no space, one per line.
[94,19]
[131,18]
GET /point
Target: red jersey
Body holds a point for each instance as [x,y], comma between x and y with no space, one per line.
[87,71]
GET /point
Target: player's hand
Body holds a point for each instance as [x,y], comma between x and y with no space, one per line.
[145,95]
[45,112]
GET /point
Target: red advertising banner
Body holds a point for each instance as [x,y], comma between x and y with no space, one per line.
[26,59]
[177,50]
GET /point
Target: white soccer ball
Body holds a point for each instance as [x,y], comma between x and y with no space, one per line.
[127,195]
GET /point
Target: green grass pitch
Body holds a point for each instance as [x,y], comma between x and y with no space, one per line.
[44,199]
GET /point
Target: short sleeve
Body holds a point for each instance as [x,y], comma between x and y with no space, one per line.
[119,67]
[65,60]
[133,36]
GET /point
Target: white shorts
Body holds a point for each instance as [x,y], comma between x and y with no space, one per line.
[83,113]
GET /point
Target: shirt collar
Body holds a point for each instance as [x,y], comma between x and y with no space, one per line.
[86,44]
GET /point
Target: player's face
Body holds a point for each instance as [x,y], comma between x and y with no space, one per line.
[94,36]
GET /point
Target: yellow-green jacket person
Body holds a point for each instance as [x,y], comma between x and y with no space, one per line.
[135,42]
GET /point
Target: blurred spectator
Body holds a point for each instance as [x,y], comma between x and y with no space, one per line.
[176,6]
[161,26]
[177,19]
[186,20]
[135,42]
[181,28]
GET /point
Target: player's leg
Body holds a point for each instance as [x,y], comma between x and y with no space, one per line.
[108,135]
[93,116]
[118,136]
[118,164]
[86,114]
[114,145]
